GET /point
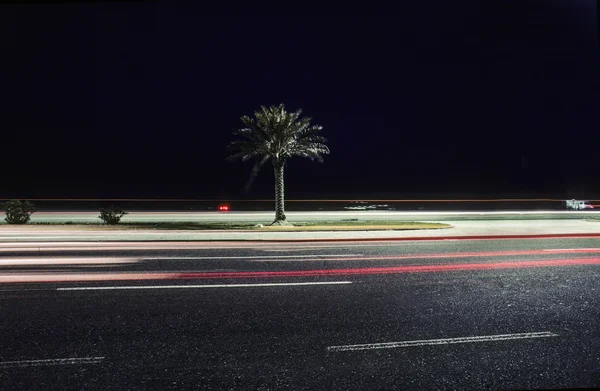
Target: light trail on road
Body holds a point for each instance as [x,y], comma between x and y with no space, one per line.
[307,258]
[132,276]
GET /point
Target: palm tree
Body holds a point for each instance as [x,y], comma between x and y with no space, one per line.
[275,134]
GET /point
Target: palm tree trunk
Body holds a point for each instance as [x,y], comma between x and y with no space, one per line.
[279,199]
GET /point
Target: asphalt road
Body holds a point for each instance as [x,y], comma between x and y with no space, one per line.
[267,217]
[452,314]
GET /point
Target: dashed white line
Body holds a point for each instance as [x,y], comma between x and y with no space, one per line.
[52,361]
[443,341]
[98,288]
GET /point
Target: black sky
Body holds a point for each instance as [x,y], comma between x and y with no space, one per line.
[429,98]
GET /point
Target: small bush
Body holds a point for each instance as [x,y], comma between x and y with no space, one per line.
[111,215]
[18,212]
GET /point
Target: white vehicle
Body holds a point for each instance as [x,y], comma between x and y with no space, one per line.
[579,205]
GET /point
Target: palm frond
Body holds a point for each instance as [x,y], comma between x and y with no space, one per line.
[275,133]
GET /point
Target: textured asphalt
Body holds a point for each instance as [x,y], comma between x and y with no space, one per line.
[277,337]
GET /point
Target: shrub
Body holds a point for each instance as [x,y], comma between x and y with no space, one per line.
[111,215]
[18,212]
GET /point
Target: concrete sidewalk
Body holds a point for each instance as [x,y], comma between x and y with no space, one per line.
[459,229]
[298,216]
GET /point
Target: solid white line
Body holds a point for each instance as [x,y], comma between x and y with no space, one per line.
[292,250]
[572,249]
[63,261]
[96,288]
[443,341]
[259,257]
[70,236]
[347,245]
[52,361]
[186,244]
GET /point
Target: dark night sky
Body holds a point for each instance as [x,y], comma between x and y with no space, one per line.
[432,98]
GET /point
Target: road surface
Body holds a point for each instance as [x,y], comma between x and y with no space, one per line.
[451,314]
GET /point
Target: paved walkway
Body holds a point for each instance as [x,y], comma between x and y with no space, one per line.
[67,233]
[267,217]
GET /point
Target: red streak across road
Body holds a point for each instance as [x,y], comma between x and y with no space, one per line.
[441,255]
[132,276]
[398,269]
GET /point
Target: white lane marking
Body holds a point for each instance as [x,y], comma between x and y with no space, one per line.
[571,249]
[106,248]
[70,236]
[309,260]
[188,244]
[96,288]
[260,257]
[216,245]
[345,245]
[443,341]
[52,361]
[308,248]
[63,261]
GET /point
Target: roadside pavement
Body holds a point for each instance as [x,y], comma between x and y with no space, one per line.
[458,229]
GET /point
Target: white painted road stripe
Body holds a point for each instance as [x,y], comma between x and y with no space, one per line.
[35,261]
[443,341]
[44,237]
[260,257]
[52,361]
[347,245]
[571,249]
[97,288]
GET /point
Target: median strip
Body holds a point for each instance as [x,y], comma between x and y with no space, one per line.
[442,341]
[97,288]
